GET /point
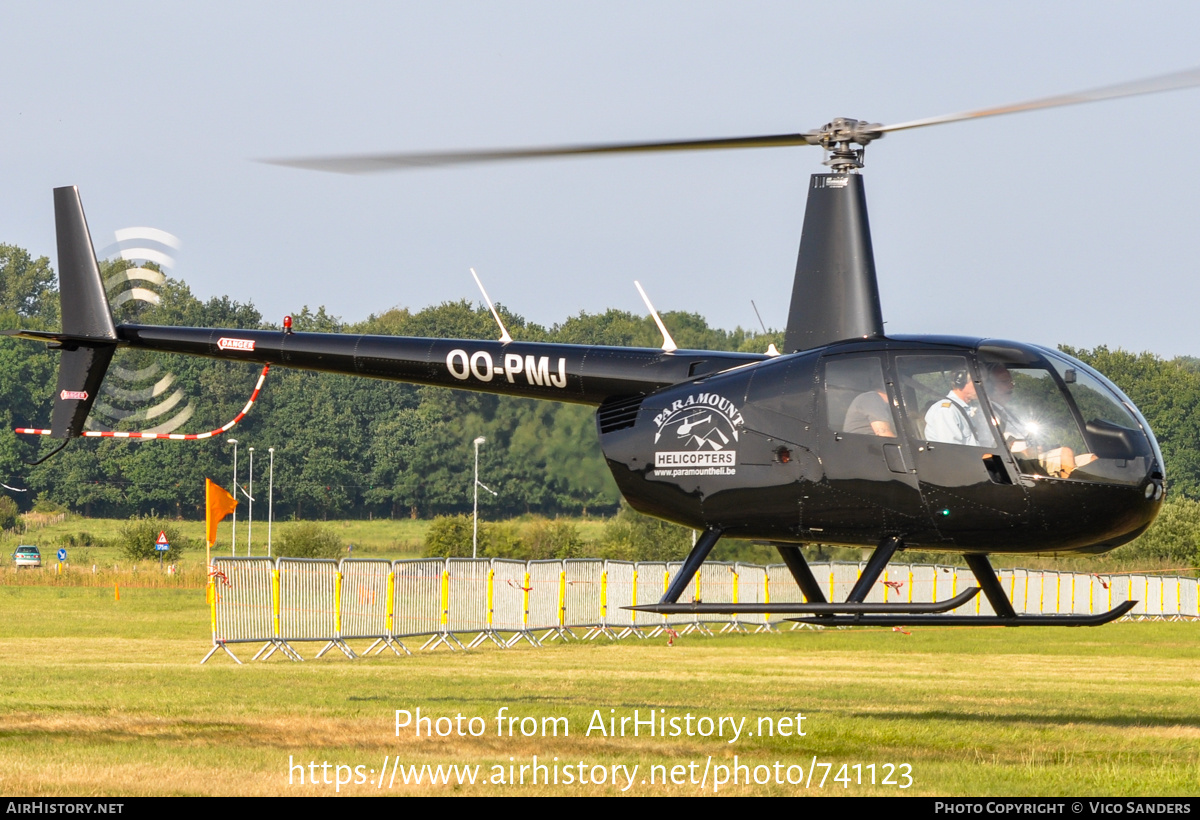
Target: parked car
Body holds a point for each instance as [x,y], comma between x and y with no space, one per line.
[27,556]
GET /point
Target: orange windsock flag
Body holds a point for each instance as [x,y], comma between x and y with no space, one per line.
[219,504]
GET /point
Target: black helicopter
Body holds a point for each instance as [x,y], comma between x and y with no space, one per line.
[850,437]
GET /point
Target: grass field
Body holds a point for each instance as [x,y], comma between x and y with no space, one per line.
[100,697]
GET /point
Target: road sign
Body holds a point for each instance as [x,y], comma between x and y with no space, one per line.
[161,543]
[62,554]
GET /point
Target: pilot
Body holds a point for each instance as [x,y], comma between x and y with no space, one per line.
[956,418]
[1000,390]
[1059,462]
[870,415]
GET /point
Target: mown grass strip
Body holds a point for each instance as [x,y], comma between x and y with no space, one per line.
[101,697]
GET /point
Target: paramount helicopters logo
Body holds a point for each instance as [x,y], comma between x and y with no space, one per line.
[705,429]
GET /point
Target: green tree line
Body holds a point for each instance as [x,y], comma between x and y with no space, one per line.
[344,446]
[354,447]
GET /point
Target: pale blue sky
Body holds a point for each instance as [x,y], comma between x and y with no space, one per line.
[1068,226]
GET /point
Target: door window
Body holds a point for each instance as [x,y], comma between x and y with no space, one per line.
[856,398]
[941,402]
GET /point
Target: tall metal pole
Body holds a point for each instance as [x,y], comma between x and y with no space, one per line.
[233,543]
[475,515]
[250,496]
[270,499]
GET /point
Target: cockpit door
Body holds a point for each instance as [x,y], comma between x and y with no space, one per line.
[966,475]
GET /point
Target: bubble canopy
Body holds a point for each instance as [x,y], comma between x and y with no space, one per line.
[1061,419]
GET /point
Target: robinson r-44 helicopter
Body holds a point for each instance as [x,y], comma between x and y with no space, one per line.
[849,437]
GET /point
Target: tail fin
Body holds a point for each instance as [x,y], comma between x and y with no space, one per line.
[88,338]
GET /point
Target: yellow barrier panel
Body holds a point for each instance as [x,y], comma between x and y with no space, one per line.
[391,602]
[445,597]
[633,614]
[766,595]
[604,596]
[211,592]
[525,602]
[491,595]
[275,601]
[562,597]
[337,603]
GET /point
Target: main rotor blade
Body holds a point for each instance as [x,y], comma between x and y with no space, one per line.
[1150,85]
[372,163]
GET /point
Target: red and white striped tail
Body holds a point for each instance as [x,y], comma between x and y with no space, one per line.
[34,431]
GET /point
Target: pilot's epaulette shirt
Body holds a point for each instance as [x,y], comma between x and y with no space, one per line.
[951,420]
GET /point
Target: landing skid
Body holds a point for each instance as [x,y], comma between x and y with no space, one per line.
[849,607]
[972,620]
[854,611]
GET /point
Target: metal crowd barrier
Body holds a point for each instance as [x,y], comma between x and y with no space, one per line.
[366,602]
[619,590]
[469,609]
[584,595]
[652,581]
[417,608]
[752,589]
[242,602]
[280,603]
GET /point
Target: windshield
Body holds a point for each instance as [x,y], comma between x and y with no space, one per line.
[1058,421]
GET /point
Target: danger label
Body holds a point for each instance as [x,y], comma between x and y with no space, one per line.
[78,395]
[226,343]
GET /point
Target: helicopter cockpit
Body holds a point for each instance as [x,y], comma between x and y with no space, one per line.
[985,438]
[1056,416]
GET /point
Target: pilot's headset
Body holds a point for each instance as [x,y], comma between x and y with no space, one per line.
[959,378]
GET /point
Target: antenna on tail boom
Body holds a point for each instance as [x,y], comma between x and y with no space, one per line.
[504,337]
[668,343]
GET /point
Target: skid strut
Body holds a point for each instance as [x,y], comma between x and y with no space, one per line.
[816,604]
[802,573]
[855,611]
[1005,614]
[691,565]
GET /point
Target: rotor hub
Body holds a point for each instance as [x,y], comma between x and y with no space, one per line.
[840,138]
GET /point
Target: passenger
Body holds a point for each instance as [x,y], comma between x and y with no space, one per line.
[870,415]
[954,419]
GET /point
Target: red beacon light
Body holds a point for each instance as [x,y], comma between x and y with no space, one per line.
[287,324]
